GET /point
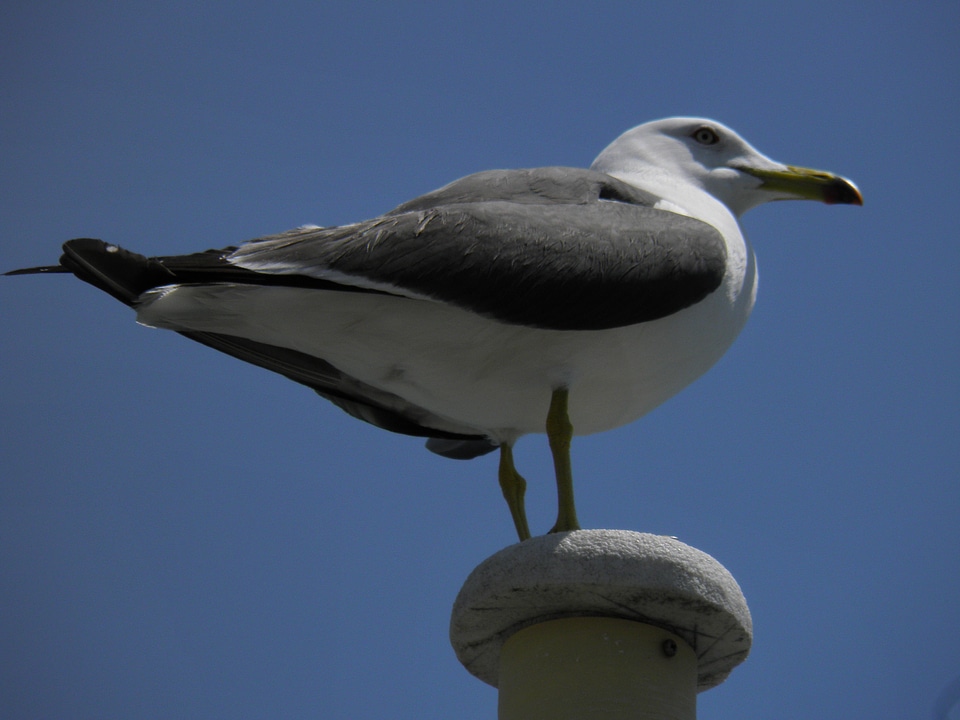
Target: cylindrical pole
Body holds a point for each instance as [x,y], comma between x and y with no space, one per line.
[598,668]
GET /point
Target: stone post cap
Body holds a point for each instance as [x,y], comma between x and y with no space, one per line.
[651,579]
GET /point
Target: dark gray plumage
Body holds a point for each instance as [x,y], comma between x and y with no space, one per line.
[553,248]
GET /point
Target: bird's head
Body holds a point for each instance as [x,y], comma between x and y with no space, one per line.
[667,155]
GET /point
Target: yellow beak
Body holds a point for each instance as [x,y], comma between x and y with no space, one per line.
[804,183]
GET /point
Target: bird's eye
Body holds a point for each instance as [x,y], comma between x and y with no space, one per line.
[706,135]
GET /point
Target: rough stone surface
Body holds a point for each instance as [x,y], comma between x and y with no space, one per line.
[652,579]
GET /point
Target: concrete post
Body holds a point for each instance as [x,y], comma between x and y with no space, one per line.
[600,624]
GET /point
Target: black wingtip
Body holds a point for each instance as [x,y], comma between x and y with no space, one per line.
[42,270]
[123,274]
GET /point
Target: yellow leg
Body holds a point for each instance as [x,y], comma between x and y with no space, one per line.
[559,434]
[513,486]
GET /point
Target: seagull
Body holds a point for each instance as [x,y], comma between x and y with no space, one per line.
[561,300]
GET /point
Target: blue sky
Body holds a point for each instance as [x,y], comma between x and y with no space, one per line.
[182,535]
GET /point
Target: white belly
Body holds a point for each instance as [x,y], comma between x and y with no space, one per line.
[493,377]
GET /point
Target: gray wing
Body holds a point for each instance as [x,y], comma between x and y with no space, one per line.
[554,248]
